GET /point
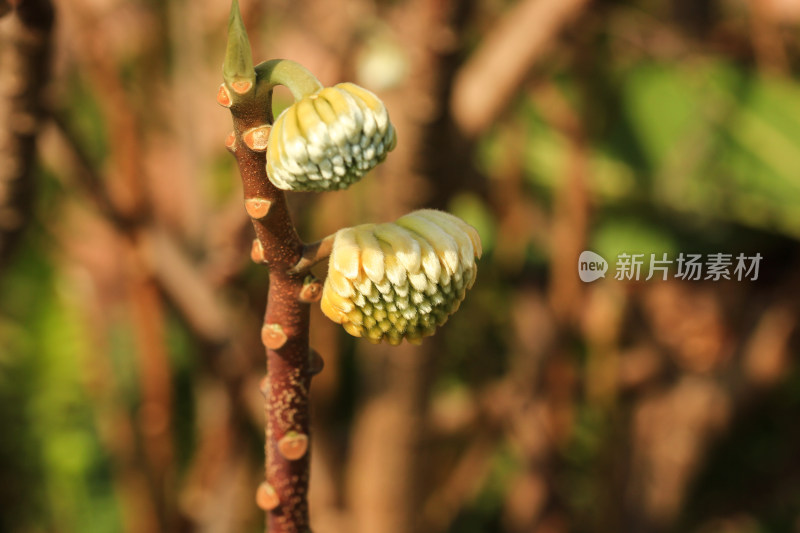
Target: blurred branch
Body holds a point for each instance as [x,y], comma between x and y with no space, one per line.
[387,437]
[487,82]
[155,413]
[571,216]
[229,233]
[671,431]
[88,180]
[126,185]
[157,256]
[767,41]
[465,480]
[124,198]
[115,428]
[185,286]
[766,353]
[24,64]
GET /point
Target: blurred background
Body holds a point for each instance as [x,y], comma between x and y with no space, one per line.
[130,313]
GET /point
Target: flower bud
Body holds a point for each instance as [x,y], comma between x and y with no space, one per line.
[329,140]
[402,279]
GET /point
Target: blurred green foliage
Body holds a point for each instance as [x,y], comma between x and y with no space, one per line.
[56,471]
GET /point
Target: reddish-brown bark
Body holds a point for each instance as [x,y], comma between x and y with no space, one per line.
[289,373]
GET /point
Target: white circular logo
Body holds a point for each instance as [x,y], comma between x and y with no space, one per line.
[591,266]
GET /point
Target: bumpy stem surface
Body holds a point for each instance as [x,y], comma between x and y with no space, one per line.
[285,333]
[285,336]
[247,91]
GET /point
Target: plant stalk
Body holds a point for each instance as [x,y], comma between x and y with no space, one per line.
[247,91]
[283,495]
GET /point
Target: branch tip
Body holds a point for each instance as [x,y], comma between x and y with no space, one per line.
[237,69]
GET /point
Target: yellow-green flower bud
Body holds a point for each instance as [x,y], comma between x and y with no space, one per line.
[329,140]
[400,280]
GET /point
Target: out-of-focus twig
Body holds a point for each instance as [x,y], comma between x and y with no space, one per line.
[116,429]
[24,65]
[127,193]
[487,82]
[572,205]
[185,286]
[464,482]
[766,353]
[181,281]
[127,178]
[87,179]
[768,44]
[192,293]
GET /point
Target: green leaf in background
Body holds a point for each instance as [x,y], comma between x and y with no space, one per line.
[67,471]
[471,208]
[632,236]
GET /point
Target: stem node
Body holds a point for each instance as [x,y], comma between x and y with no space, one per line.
[257,252]
[223,96]
[316,362]
[273,336]
[256,138]
[293,445]
[230,142]
[311,291]
[257,207]
[241,86]
[266,497]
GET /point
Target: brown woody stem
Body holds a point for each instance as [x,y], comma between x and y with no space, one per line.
[285,333]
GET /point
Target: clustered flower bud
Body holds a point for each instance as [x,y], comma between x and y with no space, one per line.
[329,140]
[402,279]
